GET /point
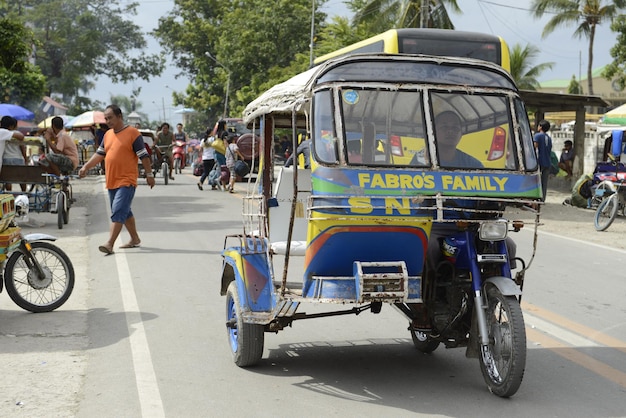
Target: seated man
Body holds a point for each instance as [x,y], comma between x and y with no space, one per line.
[63,155]
[566,162]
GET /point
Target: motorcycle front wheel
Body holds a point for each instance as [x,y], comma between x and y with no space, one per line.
[503,360]
[606,213]
[165,172]
[36,293]
[177,168]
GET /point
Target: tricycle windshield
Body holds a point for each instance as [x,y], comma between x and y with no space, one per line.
[422,116]
[422,127]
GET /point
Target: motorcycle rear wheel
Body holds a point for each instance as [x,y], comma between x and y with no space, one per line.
[606,213]
[39,294]
[422,342]
[503,361]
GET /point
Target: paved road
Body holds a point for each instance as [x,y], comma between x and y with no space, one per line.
[143,334]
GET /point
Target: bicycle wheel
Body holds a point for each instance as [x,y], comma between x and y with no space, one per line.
[606,213]
[66,210]
[60,202]
[32,292]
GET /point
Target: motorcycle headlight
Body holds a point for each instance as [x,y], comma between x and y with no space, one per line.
[493,230]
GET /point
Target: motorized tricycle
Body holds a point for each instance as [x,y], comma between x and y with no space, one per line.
[38,275]
[416,162]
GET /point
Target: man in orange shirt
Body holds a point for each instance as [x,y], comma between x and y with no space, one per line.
[123,146]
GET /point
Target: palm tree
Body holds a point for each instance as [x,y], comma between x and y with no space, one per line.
[381,15]
[523,71]
[585,14]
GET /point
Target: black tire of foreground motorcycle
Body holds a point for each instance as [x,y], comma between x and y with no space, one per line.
[39,294]
[505,360]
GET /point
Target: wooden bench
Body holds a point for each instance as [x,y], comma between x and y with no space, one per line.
[23,174]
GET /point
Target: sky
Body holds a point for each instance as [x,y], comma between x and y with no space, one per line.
[514,23]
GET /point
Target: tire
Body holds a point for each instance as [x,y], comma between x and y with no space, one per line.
[60,209]
[165,169]
[34,294]
[606,212]
[66,211]
[245,340]
[504,361]
[177,166]
[422,342]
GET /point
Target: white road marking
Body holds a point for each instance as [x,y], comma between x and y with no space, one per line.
[557,332]
[145,377]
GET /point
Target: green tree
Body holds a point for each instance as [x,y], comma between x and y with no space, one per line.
[584,14]
[574,86]
[241,46]
[381,15]
[523,71]
[617,68]
[83,39]
[20,81]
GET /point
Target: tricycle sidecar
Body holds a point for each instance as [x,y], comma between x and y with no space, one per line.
[414,162]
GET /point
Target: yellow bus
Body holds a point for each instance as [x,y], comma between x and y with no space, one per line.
[440,42]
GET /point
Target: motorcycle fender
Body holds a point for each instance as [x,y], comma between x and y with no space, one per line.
[39,237]
[505,285]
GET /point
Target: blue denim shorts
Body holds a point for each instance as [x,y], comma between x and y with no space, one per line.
[13,161]
[121,199]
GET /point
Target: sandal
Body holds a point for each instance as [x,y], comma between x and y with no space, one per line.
[106,250]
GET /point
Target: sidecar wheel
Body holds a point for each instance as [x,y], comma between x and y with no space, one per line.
[503,361]
[606,213]
[246,340]
[39,294]
[422,342]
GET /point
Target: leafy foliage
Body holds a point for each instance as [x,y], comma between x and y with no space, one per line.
[381,15]
[584,14]
[240,46]
[522,69]
[617,68]
[81,39]
[20,81]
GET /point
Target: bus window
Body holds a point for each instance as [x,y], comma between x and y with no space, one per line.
[385,127]
[324,138]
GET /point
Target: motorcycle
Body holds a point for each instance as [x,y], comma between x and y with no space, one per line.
[179,154]
[38,275]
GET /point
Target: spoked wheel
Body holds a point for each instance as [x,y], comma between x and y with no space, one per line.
[422,342]
[606,212]
[32,292]
[246,340]
[165,169]
[502,362]
[60,209]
